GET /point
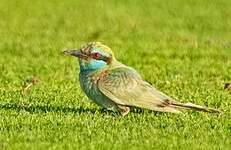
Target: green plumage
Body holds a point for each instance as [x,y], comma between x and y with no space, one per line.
[117,87]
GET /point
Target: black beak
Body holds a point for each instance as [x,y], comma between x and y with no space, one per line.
[76,53]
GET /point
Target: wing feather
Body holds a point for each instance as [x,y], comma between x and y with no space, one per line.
[124,86]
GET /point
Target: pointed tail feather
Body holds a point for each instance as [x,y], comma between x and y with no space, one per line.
[194,106]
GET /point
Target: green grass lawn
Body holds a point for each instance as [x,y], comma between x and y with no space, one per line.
[182,47]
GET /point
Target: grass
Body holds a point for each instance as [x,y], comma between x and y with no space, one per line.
[181,47]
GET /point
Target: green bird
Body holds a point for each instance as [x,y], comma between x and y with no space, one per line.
[117,87]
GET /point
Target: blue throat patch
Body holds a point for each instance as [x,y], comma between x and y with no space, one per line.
[92,65]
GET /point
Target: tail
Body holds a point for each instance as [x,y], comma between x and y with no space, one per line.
[193,106]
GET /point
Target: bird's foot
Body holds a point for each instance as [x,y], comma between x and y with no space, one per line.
[124,110]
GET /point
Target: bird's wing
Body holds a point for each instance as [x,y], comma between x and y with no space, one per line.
[124,86]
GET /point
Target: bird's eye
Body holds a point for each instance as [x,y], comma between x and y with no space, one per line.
[96,55]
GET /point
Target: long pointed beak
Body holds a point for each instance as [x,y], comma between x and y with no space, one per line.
[76,53]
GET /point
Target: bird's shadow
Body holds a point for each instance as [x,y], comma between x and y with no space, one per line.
[36,108]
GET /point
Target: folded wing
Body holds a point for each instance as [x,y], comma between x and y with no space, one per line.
[124,86]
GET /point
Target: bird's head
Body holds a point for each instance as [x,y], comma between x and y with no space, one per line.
[93,56]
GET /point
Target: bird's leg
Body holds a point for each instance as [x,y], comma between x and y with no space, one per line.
[124,110]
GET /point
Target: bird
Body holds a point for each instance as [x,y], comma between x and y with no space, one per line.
[118,87]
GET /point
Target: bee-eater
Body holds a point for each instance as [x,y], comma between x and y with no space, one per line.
[118,87]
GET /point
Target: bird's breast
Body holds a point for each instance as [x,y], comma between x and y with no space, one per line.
[88,83]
